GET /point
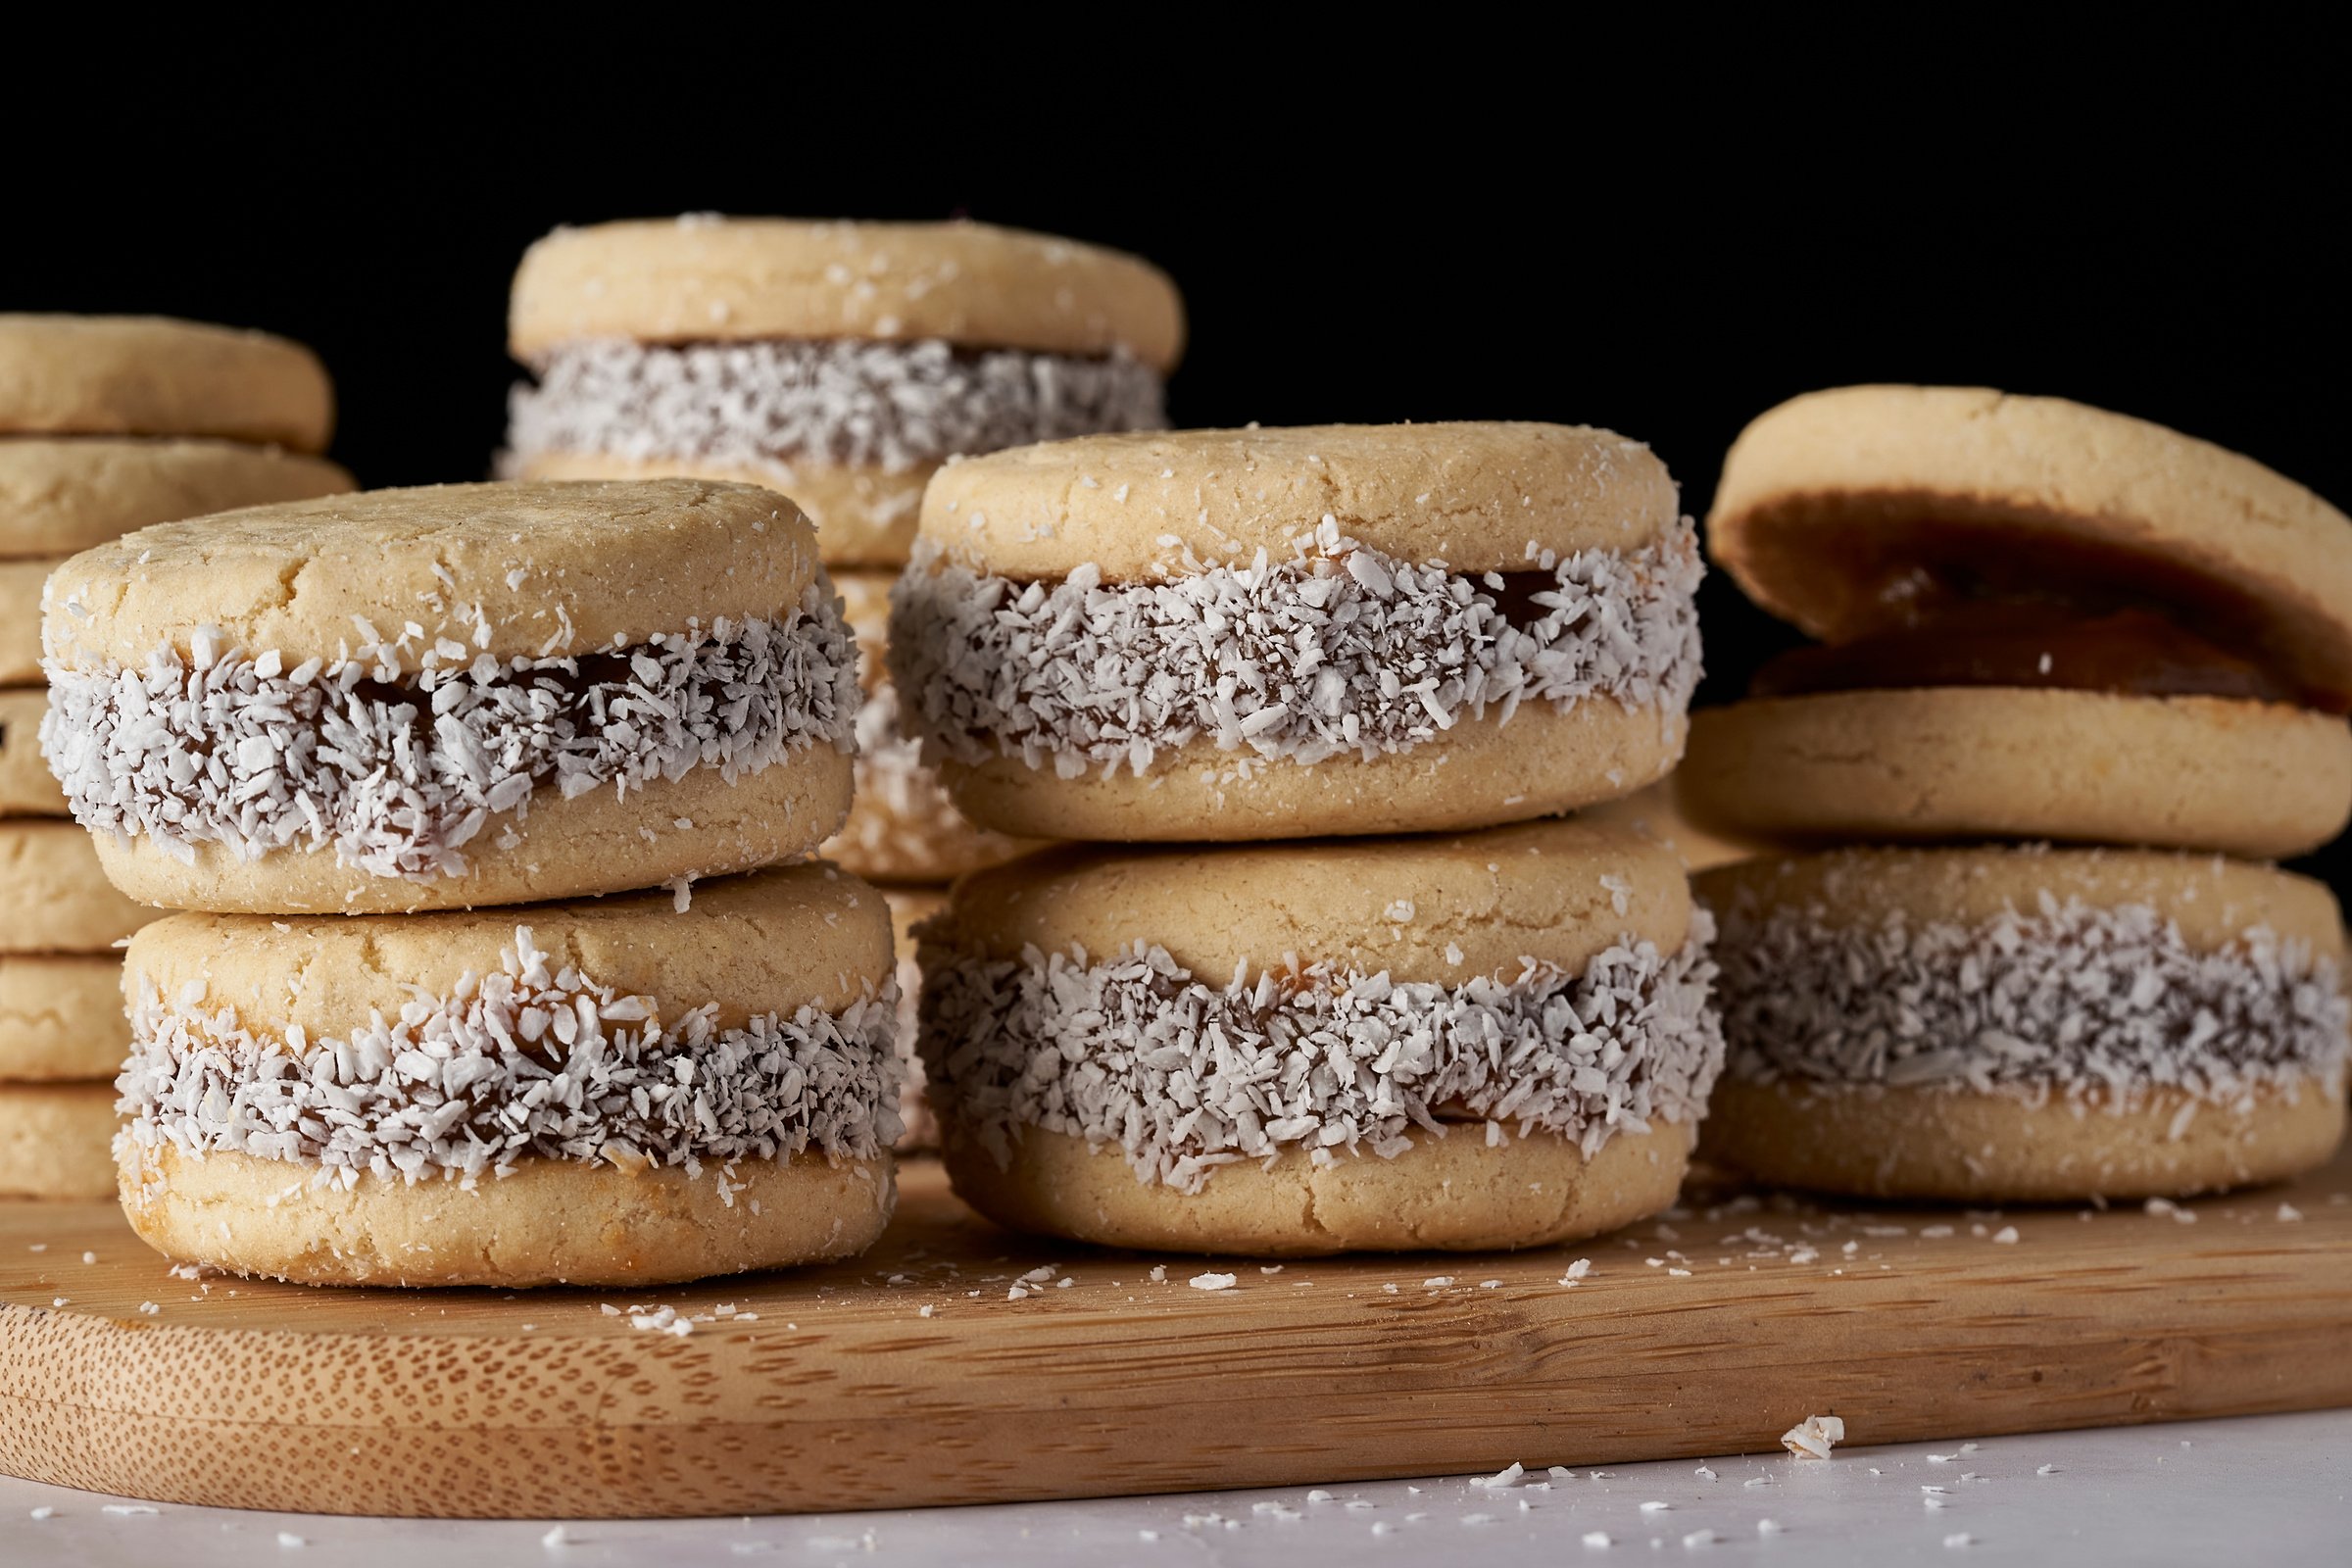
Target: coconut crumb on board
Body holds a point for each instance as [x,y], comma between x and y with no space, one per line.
[1814,1436]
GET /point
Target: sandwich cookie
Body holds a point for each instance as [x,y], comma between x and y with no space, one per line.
[1250,634]
[1656,813]
[909,908]
[2021,1024]
[21,618]
[901,825]
[596,1093]
[453,696]
[841,362]
[2044,620]
[1500,1039]
[61,1019]
[26,786]
[54,1140]
[150,376]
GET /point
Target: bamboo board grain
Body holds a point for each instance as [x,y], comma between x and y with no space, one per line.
[841,1395]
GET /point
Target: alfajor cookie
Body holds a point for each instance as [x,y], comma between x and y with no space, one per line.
[1250,634]
[2024,1023]
[602,1092]
[151,375]
[61,1017]
[455,696]
[2044,621]
[1656,813]
[909,908]
[901,826]
[841,362]
[1497,1039]
[54,894]
[54,1140]
[61,495]
[26,786]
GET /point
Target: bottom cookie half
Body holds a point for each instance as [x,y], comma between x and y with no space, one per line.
[544,1222]
[1459,1192]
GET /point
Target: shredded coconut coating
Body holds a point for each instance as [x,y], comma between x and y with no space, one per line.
[400,771]
[1342,650]
[771,403]
[529,1061]
[2093,1003]
[1183,1076]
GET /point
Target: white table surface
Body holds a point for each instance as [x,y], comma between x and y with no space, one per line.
[2265,1492]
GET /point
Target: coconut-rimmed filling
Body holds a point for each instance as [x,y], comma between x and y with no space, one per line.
[2091,1005]
[529,1061]
[770,403]
[1183,1075]
[401,755]
[1340,652]
[915,815]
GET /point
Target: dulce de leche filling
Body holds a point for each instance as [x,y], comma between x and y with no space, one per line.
[2127,652]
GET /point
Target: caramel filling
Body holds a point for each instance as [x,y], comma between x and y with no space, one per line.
[2049,645]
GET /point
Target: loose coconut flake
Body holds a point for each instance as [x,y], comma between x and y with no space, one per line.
[1183,1076]
[1342,650]
[2095,1004]
[400,771]
[769,403]
[529,1061]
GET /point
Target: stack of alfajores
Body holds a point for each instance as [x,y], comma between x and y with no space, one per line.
[353,731]
[106,423]
[2083,677]
[841,363]
[1324,981]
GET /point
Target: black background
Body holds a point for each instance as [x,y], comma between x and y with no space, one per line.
[1663,232]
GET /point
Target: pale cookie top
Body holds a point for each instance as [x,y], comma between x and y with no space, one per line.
[772,941]
[704,278]
[535,570]
[2214,900]
[1151,507]
[63,495]
[1829,499]
[1439,909]
[153,375]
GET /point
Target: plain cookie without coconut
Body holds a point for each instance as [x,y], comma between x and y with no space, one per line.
[151,375]
[61,1019]
[1829,500]
[59,496]
[26,786]
[54,898]
[796,956]
[20,619]
[2261,780]
[703,278]
[56,1141]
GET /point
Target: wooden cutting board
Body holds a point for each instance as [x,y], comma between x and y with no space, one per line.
[841,1393]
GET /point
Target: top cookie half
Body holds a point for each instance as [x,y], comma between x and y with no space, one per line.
[1244,634]
[2042,620]
[459,695]
[840,363]
[150,376]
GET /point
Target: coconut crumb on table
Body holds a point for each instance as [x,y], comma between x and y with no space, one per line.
[1814,1436]
[1212,1282]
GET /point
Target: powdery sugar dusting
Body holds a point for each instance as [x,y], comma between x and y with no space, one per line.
[530,1061]
[2069,999]
[399,771]
[1341,651]
[771,403]
[1185,1076]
